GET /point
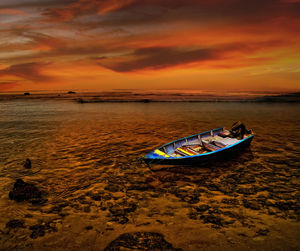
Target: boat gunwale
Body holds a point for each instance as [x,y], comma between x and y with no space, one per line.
[201,154]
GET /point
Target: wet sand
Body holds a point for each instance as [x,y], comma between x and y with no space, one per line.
[96,190]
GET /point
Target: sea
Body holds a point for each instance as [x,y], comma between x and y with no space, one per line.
[86,160]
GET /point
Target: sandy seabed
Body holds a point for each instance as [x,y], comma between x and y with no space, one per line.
[95,195]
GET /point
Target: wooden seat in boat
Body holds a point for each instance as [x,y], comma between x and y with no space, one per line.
[210,147]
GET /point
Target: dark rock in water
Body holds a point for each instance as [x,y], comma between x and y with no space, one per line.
[26,93]
[192,215]
[120,220]
[188,195]
[39,230]
[252,204]
[230,201]
[140,241]
[27,164]
[285,205]
[71,92]
[122,209]
[272,211]
[202,208]
[89,227]
[57,208]
[247,191]
[25,191]
[15,224]
[96,197]
[211,218]
[262,232]
[113,188]
[225,188]
[140,187]
[191,199]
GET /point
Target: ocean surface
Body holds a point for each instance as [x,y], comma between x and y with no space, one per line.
[85,160]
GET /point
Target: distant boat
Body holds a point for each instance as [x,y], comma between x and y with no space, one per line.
[199,148]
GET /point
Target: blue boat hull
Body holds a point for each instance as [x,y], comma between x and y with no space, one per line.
[201,158]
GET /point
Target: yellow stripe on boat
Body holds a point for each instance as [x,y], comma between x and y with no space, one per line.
[180,149]
[161,153]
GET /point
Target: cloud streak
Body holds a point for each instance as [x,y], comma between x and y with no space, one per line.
[28,71]
[130,37]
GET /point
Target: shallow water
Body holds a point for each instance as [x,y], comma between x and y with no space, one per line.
[81,151]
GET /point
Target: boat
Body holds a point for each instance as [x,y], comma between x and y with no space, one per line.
[201,148]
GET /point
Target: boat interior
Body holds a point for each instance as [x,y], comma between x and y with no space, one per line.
[198,144]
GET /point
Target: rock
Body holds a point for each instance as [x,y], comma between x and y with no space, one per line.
[202,208]
[140,241]
[191,199]
[271,211]
[27,164]
[225,188]
[270,202]
[139,187]
[87,209]
[252,204]
[26,93]
[285,205]
[211,218]
[247,190]
[230,201]
[89,227]
[25,191]
[15,224]
[39,230]
[187,194]
[96,197]
[193,215]
[263,232]
[113,188]
[122,209]
[122,220]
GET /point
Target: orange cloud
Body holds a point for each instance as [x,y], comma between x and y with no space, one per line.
[27,71]
[7,85]
[7,11]
[129,43]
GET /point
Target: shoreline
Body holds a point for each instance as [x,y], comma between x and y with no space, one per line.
[150,98]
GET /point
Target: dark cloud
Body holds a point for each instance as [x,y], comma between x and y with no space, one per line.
[4,85]
[33,3]
[28,71]
[164,57]
[144,11]
[157,58]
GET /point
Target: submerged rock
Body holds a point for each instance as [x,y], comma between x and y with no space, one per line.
[27,163]
[39,230]
[140,241]
[15,224]
[202,208]
[263,232]
[230,201]
[252,204]
[122,208]
[113,188]
[25,191]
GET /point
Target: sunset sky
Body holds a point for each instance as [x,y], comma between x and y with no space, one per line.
[99,45]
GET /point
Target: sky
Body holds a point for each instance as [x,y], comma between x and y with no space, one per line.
[96,45]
